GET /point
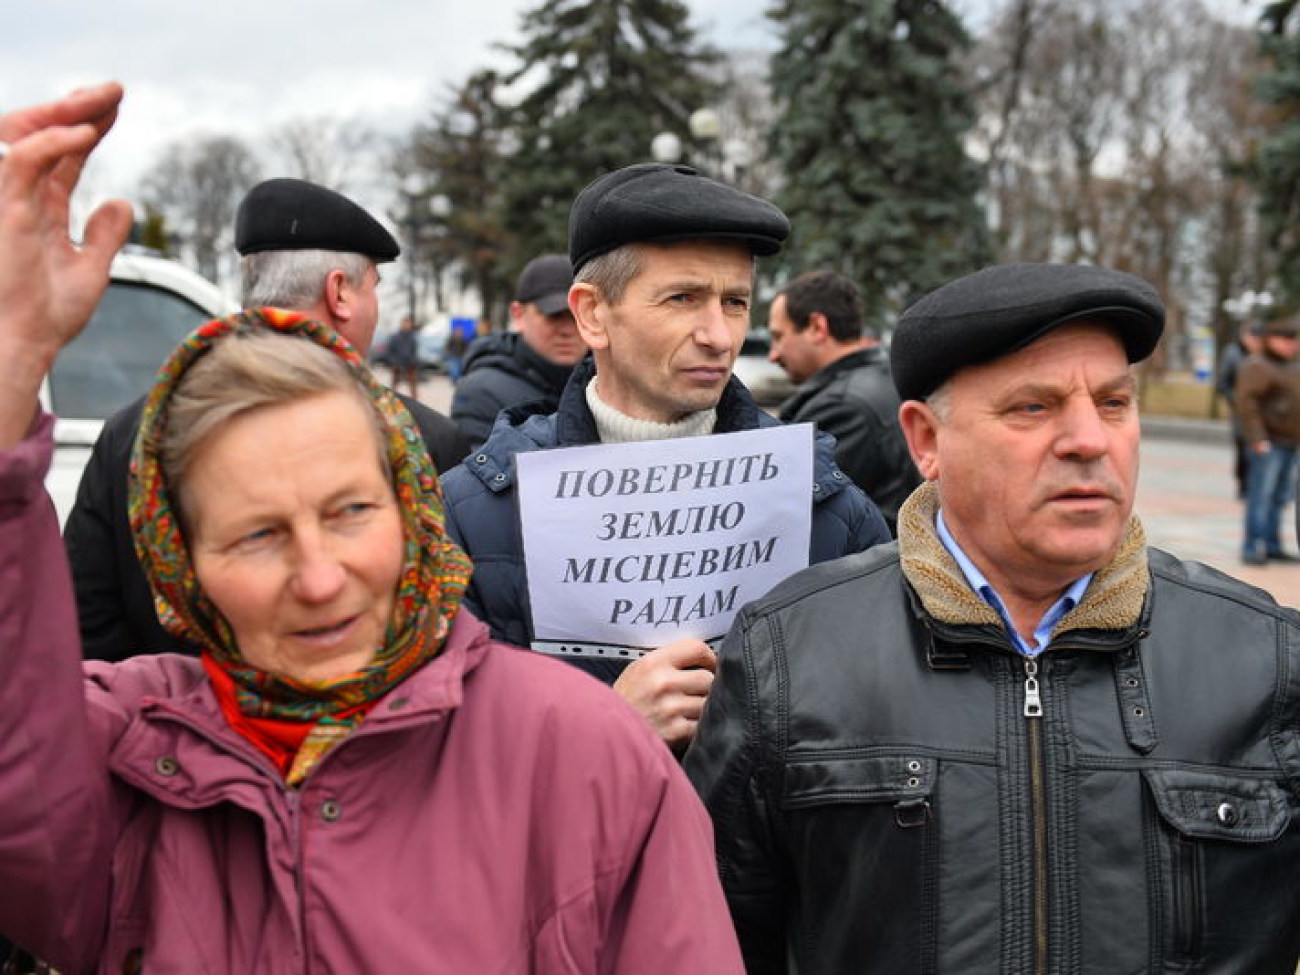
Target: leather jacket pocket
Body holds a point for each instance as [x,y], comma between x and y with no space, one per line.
[818,780]
[1221,833]
[843,811]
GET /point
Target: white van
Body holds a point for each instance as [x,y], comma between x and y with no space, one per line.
[150,305]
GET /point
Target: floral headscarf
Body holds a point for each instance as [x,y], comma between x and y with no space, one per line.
[434,575]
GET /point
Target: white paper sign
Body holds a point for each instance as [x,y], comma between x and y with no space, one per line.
[632,545]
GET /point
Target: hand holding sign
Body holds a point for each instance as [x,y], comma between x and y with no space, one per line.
[668,687]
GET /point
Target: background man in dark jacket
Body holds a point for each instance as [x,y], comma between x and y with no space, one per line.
[303,247]
[530,363]
[1016,740]
[819,339]
[665,277]
[1268,408]
[404,357]
[1225,381]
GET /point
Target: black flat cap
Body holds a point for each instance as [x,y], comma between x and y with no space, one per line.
[545,281]
[658,203]
[294,215]
[1281,325]
[1000,309]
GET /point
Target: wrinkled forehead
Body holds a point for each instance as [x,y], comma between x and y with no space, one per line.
[703,259]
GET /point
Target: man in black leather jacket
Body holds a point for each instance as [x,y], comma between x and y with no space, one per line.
[819,339]
[1017,739]
[303,247]
[530,364]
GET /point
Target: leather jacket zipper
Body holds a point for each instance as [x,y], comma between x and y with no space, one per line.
[1033,712]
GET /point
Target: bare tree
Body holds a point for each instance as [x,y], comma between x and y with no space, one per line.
[196,184]
[1045,76]
[325,150]
[1117,132]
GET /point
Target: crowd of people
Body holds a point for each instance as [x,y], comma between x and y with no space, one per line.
[282,697]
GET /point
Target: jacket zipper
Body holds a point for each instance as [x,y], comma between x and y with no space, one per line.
[1033,712]
[293,799]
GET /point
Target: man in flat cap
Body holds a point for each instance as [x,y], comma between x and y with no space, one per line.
[663,264]
[820,339]
[532,361]
[302,247]
[1017,739]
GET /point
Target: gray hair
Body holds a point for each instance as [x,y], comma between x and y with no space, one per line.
[614,270]
[244,371]
[295,278]
[610,273]
[940,402]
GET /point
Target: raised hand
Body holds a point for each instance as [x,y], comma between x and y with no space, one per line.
[48,285]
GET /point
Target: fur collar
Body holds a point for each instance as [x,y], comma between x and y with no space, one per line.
[1113,600]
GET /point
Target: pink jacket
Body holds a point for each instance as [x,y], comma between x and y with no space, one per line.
[497,813]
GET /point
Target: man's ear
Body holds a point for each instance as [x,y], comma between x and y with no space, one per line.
[819,329]
[590,312]
[338,295]
[921,428]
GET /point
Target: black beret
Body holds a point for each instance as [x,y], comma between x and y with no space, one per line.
[659,203]
[1000,309]
[294,215]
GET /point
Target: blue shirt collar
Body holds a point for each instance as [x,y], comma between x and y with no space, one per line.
[981,585]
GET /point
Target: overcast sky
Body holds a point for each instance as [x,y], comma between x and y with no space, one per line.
[240,66]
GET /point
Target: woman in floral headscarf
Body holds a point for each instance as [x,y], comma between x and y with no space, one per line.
[353,778]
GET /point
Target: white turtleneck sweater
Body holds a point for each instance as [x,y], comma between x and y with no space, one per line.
[617,427]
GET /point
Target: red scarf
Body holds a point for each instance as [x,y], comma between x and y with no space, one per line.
[278,739]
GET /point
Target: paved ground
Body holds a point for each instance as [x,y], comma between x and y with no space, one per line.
[1187,501]
[1186,497]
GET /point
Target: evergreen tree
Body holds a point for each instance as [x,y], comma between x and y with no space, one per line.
[869,133]
[1278,163]
[603,77]
[459,153]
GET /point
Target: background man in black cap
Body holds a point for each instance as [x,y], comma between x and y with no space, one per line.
[1017,740]
[664,276]
[302,247]
[531,362]
[820,340]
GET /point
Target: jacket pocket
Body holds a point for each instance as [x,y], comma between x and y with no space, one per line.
[863,839]
[817,781]
[1221,833]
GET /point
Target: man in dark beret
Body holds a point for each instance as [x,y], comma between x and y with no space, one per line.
[663,263]
[1018,739]
[303,247]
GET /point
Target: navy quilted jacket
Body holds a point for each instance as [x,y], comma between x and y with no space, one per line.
[482,511]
